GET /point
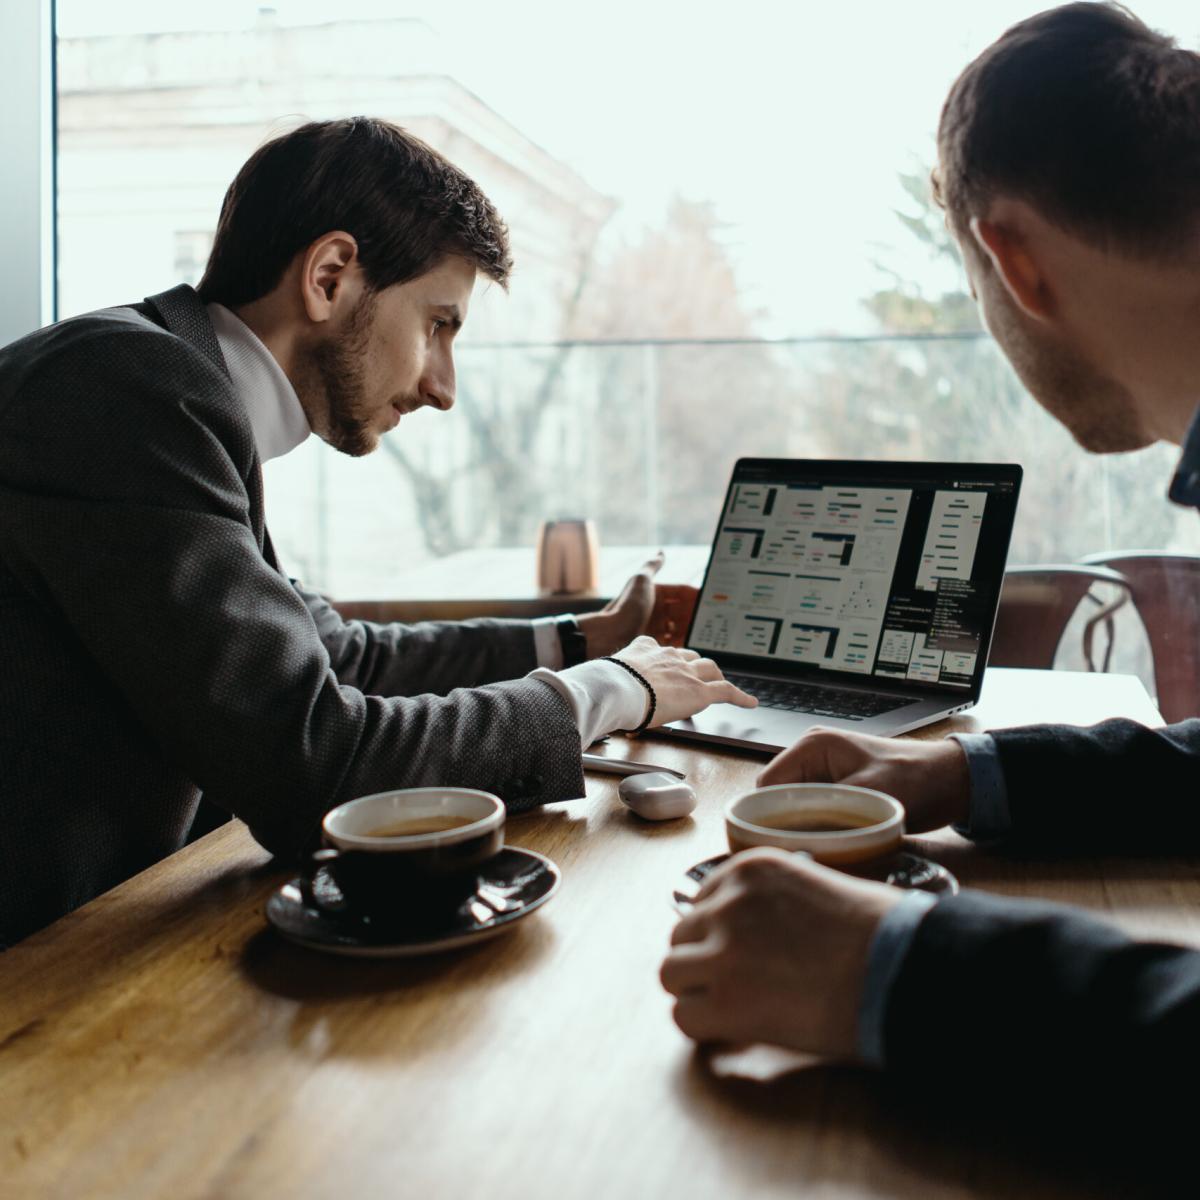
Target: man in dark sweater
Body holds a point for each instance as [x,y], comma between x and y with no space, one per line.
[1069,168]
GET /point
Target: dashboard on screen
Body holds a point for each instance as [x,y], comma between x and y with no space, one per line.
[891,570]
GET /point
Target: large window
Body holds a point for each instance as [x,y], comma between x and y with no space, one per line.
[724,239]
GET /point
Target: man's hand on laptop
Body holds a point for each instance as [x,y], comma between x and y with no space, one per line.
[626,616]
[684,683]
[930,778]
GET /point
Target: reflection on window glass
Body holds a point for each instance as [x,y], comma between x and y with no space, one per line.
[192,248]
[724,238]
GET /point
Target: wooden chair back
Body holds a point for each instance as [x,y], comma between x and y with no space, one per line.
[1166,593]
[1038,602]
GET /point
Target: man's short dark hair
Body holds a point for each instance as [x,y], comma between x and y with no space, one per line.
[405,205]
[1089,116]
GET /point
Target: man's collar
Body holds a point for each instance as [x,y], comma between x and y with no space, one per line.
[276,415]
[1185,487]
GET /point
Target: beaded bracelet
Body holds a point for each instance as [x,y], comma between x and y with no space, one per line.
[649,692]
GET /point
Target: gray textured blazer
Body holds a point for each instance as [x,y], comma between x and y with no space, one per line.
[151,649]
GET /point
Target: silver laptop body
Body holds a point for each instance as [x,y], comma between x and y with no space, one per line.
[852,595]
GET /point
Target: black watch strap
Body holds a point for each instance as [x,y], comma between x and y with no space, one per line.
[573,641]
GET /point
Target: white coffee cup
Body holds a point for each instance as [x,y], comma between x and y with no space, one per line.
[838,824]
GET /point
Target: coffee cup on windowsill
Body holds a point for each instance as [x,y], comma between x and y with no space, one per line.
[568,557]
[839,825]
[407,854]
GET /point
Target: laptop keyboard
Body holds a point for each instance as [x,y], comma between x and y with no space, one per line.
[811,698]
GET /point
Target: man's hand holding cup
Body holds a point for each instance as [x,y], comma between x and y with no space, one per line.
[929,778]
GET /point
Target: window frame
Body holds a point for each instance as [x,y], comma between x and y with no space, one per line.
[27,148]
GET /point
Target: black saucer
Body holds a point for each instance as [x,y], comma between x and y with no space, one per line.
[511,886]
[901,870]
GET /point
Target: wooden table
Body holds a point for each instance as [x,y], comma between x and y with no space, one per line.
[163,1041]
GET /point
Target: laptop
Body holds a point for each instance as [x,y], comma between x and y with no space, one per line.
[853,595]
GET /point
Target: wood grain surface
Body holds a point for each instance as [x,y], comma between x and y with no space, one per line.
[164,1041]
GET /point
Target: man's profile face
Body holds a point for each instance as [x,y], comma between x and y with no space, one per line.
[392,354]
[1097,410]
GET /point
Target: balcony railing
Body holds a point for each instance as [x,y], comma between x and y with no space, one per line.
[641,436]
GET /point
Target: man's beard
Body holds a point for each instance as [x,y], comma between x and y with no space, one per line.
[336,371]
[1098,411]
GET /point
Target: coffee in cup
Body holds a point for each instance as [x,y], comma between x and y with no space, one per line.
[837,824]
[412,826]
[409,853]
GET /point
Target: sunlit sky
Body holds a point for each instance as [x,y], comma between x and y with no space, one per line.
[793,119]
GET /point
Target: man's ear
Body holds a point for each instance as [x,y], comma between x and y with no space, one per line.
[330,276]
[1018,269]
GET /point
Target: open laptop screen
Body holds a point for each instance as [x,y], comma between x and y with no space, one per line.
[884,570]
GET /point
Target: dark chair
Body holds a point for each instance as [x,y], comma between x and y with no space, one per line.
[1166,594]
[1037,604]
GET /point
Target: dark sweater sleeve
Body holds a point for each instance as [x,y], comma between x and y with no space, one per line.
[1051,1017]
[1117,785]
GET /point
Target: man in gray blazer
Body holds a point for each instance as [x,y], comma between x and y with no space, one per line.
[152,648]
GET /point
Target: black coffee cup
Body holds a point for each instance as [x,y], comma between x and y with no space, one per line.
[407,856]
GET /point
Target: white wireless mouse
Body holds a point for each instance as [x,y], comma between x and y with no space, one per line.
[657,796]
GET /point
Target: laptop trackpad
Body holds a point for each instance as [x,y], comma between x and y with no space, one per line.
[768,727]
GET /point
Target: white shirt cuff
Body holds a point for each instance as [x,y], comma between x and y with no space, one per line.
[547,648]
[601,697]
